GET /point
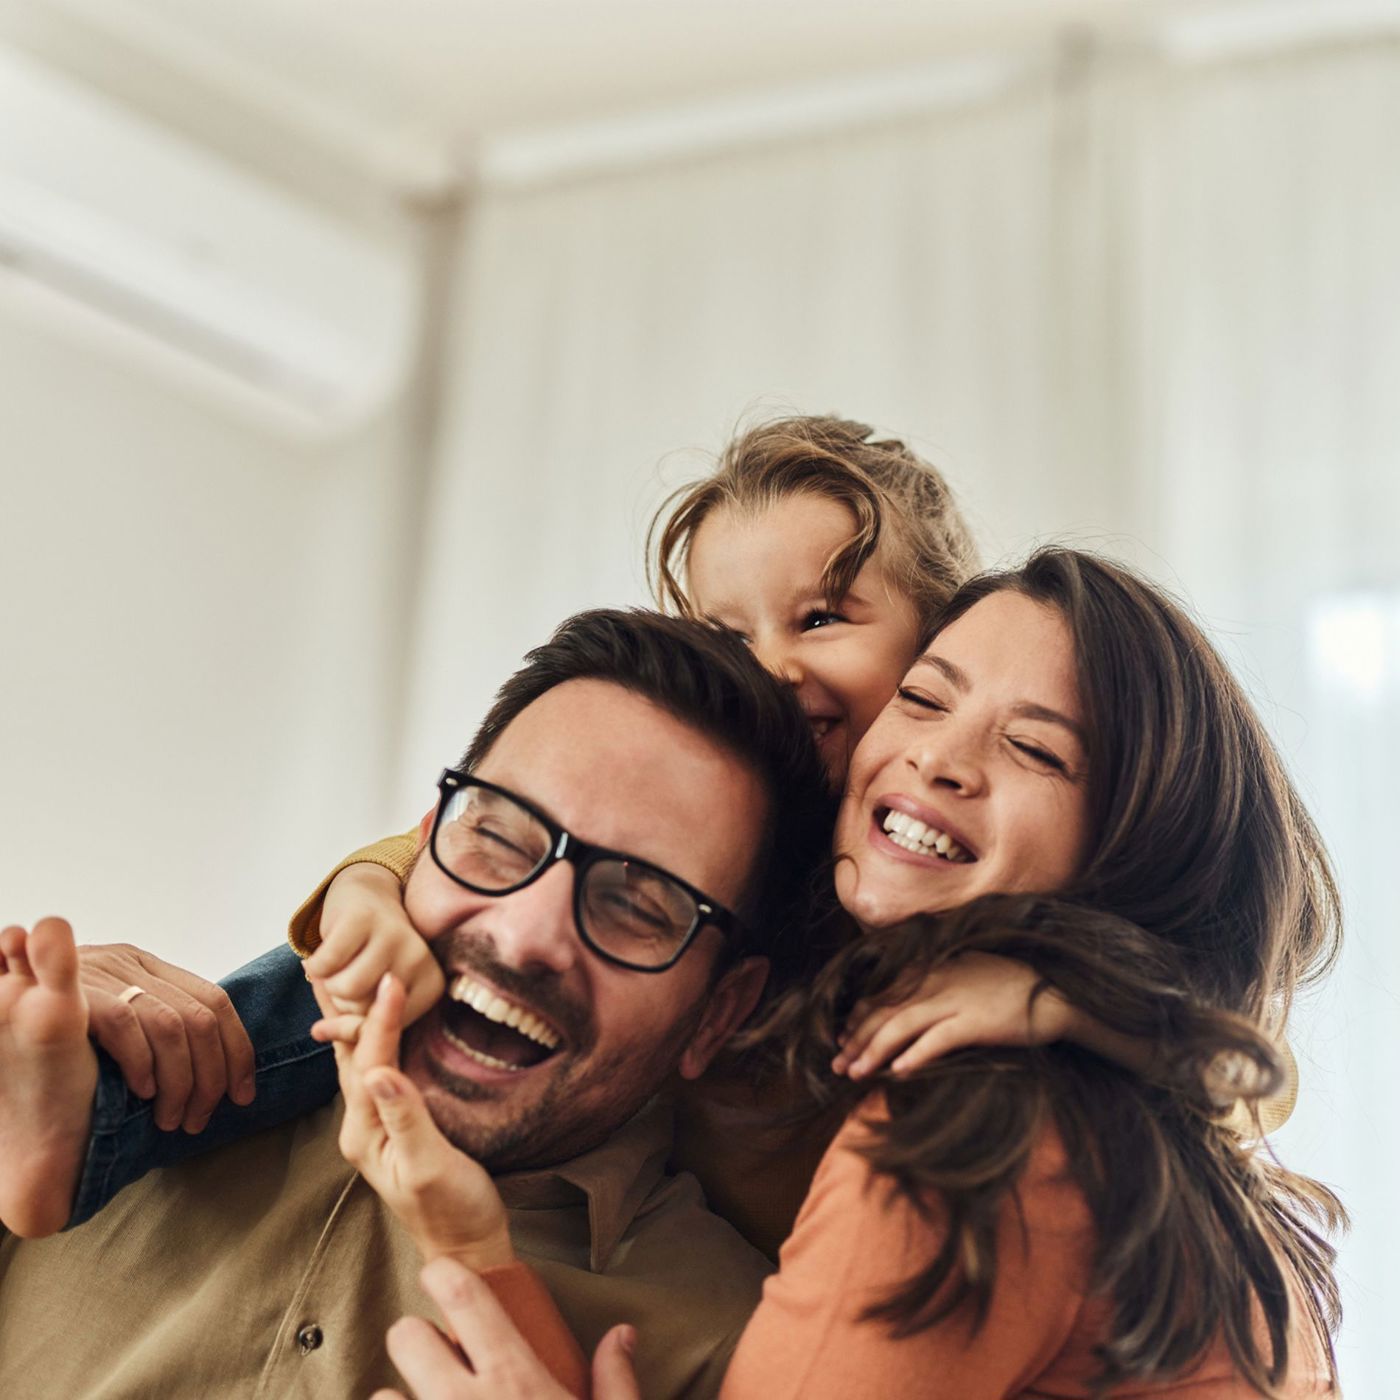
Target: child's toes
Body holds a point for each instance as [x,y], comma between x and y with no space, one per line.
[14,948]
[53,955]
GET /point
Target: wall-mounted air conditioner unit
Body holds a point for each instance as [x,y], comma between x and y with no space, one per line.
[244,285]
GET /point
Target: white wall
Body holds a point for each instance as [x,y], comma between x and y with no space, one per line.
[198,636]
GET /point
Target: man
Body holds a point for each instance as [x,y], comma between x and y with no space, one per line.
[667,769]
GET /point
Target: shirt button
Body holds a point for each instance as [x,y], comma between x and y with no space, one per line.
[309,1338]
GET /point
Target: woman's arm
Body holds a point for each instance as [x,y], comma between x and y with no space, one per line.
[502,1330]
[857,1240]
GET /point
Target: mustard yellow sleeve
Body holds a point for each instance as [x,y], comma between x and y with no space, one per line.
[394,853]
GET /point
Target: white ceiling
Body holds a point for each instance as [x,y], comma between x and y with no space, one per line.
[467,67]
[410,87]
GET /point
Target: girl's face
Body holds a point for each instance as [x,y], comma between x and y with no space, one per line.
[761,576]
[972,781]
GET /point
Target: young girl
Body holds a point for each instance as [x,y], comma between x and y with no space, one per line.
[1012,1223]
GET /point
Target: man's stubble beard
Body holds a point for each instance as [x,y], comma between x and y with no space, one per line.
[548,1132]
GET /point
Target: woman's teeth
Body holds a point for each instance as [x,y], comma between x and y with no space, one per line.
[820,727]
[910,834]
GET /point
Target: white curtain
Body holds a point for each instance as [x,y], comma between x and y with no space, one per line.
[1267,328]
[605,324]
[1150,306]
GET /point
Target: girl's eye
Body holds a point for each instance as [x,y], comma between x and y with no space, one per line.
[923,701]
[815,619]
[1042,756]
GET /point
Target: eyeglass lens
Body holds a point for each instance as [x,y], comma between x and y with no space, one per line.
[629,911]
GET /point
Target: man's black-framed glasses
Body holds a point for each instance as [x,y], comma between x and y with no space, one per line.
[626,910]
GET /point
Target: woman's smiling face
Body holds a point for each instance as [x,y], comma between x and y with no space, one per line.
[972,780]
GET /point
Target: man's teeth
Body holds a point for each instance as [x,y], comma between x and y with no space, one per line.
[480,1056]
[820,727]
[496,1008]
[910,834]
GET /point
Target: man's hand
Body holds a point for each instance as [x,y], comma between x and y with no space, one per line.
[498,1363]
[446,1200]
[364,934]
[179,1042]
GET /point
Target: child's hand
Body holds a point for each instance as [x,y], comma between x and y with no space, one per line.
[445,1199]
[975,999]
[364,934]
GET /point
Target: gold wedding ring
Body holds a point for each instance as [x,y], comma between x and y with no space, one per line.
[131,993]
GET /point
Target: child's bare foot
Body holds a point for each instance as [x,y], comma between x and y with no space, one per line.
[47,1074]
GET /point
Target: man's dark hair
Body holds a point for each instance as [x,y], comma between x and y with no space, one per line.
[706,677]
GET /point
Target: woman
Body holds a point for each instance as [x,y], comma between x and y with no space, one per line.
[1039,1221]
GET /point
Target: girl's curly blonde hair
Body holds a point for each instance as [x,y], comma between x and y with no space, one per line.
[899,504]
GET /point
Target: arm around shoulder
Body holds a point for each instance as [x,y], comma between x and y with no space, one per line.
[394,854]
[856,1241]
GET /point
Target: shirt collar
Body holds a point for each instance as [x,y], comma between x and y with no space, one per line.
[614,1179]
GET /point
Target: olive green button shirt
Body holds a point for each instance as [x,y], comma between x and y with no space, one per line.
[270,1269]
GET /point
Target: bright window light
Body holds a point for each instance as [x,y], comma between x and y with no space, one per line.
[1354,643]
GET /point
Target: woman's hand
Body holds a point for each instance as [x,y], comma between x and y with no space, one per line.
[975,999]
[493,1361]
[180,1042]
[364,934]
[444,1199]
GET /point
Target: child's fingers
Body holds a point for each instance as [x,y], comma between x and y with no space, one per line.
[342,1029]
[338,947]
[932,984]
[422,979]
[861,1033]
[379,1037]
[858,1015]
[938,1040]
[323,998]
[357,980]
[899,1031]
[344,1051]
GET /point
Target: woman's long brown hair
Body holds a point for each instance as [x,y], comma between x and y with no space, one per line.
[1205,899]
